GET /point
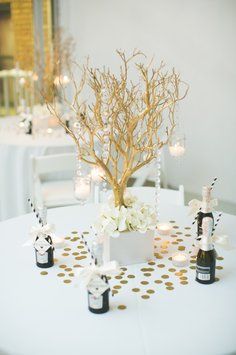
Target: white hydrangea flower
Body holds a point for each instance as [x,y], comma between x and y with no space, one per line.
[136,216]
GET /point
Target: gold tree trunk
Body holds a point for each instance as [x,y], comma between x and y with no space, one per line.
[118,191]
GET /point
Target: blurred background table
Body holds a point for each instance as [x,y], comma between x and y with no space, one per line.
[15,152]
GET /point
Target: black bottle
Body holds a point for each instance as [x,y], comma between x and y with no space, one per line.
[44,250]
[98,303]
[205,209]
[206,257]
[44,258]
[29,127]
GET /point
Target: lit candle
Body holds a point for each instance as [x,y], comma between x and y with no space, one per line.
[82,188]
[176,150]
[96,175]
[179,259]
[164,228]
[58,242]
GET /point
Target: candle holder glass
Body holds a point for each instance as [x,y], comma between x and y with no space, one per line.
[177,145]
[180,259]
[82,188]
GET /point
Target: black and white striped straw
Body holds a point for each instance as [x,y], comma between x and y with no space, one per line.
[217,221]
[35,212]
[87,247]
[213,182]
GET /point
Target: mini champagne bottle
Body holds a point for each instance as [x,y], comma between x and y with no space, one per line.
[206,257]
[205,209]
[43,245]
[98,290]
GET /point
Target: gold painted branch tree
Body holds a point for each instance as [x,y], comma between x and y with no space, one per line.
[131,120]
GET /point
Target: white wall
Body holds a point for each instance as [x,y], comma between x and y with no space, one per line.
[198,37]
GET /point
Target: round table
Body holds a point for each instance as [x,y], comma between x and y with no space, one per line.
[15,176]
[43,315]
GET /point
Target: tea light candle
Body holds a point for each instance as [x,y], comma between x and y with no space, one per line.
[82,190]
[176,150]
[164,228]
[180,259]
[58,242]
[96,175]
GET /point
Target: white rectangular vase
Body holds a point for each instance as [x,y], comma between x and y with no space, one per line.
[129,248]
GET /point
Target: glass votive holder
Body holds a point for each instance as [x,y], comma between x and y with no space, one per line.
[180,259]
[164,228]
[82,188]
[177,145]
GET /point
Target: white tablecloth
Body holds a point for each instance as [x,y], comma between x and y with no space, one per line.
[41,315]
[15,176]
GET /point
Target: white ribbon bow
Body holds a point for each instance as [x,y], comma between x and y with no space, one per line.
[39,231]
[195,205]
[89,272]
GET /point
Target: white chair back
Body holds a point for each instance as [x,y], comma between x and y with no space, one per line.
[54,163]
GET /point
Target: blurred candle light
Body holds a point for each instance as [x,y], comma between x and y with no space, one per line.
[176,150]
[180,259]
[96,174]
[164,228]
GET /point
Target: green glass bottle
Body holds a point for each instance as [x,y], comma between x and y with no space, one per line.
[206,257]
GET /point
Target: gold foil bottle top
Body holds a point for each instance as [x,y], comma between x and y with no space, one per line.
[206,193]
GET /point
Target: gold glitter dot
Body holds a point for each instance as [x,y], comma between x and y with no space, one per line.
[164,251]
[85,232]
[145,297]
[187,228]
[163,246]
[60,274]
[184,282]
[217,279]
[174,243]
[65,254]
[179,233]
[170,258]
[62,266]
[74,232]
[158,256]
[130,276]
[161,265]
[117,287]
[114,292]
[67,281]
[165,276]
[108,278]
[183,271]
[123,281]
[176,227]
[80,257]
[158,281]
[220,258]
[151,263]
[71,274]
[68,269]
[135,289]
[172,222]
[173,235]
[43,272]
[144,282]
[157,238]
[170,288]
[150,269]
[124,268]
[80,247]
[168,283]
[84,252]
[75,253]
[192,267]
[144,269]
[178,273]
[219,267]
[179,240]
[67,249]
[187,235]
[67,238]
[172,270]
[184,278]
[150,291]
[118,277]
[147,274]
[122,307]
[181,248]
[77,265]
[193,261]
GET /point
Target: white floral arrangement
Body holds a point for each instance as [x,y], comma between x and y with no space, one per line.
[134,216]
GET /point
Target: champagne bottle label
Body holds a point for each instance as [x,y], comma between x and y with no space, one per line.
[203,273]
[95,302]
[42,258]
